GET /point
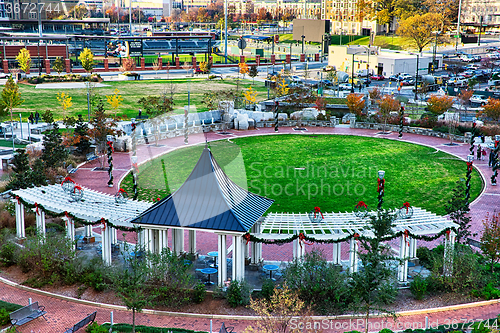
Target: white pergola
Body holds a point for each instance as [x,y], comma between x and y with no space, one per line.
[92,207]
[334,226]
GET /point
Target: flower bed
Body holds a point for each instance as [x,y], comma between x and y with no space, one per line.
[63,78]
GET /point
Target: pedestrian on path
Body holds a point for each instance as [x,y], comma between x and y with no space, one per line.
[491,158]
[478,153]
[31,118]
[37,116]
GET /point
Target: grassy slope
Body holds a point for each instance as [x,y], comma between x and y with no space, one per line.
[131,91]
[345,166]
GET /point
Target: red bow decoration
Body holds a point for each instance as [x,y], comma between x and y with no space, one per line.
[67,217]
[18,200]
[110,144]
[246,237]
[318,210]
[68,179]
[36,209]
[158,199]
[474,124]
[406,237]
[103,221]
[361,204]
[407,206]
[380,184]
[133,126]
[122,191]
[448,232]
[302,239]
[77,187]
[496,143]
[469,166]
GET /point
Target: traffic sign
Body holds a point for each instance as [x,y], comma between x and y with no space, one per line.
[242,44]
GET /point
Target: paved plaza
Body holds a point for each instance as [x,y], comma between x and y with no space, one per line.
[64,313]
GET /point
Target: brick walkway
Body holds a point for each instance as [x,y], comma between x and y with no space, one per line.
[63,313]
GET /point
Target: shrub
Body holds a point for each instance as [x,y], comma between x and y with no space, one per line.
[267,288]
[386,330]
[425,257]
[7,252]
[418,287]
[95,328]
[480,327]
[490,292]
[319,283]
[199,293]
[4,317]
[238,293]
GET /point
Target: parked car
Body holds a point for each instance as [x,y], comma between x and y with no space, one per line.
[345,86]
[458,82]
[405,77]
[408,82]
[377,77]
[326,83]
[479,100]
[393,78]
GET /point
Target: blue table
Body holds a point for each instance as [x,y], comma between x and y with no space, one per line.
[270,268]
[214,255]
[209,271]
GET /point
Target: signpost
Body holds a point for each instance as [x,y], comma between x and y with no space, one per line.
[242,44]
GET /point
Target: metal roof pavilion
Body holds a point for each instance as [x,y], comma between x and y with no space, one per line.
[93,206]
[208,200]
[339,225]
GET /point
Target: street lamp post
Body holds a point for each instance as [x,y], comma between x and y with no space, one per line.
[416,79]
[470,158]
[480,28]
[380,188]
[225,31]
[302,43]
[352,67]
[495,163]
[436,33]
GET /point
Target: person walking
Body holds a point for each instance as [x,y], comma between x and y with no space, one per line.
[31,118]
[478,153]
[37,116]
[491,158]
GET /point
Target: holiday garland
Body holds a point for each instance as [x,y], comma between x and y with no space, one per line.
[401,121]
[39,207]
[302,238]
[495,163]
[110,163]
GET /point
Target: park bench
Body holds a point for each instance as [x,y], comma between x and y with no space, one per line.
[82,323]
[26,314]
[224,329]
[70,169]
[91,156]
[41,129]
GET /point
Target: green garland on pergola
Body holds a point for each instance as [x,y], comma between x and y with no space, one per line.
[303,238]
[73,217]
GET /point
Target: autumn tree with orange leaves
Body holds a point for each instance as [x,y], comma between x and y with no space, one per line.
[492,109]
[355,103]
[490,240]
[387,105]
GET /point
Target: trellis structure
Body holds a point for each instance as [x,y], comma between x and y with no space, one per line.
[94,208]
[343,226]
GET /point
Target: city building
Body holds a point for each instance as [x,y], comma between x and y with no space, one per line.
[475,11]
[157,8]
[342,16]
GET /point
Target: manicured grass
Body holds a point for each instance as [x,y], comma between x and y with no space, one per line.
[337,172]
[131,91]
[8,144]
[387,42]
[9,307]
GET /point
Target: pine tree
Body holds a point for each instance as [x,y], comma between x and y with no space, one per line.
[101,128]
[458,208]
[38,177]
[22,171]
[53,152]
[82,139]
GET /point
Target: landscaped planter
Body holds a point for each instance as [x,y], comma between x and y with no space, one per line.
[128,77]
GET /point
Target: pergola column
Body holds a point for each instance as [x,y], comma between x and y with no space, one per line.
[299,249]
[413,248]
[404,249]
[115,236]
[148,247]
[20,229]
[238,259]
[141,238]
[222,259]
[106,237]
[353,255]
[178,241]
[162,239]
[70,227]
[192,241]
[256,248]
[337,253]
[88,231]
[449,247]
[40,222]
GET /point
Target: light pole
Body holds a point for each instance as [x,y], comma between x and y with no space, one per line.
[480,28]
[352,67]
[225,32]
[470,158]
[380,188]
[495,163]
[436,33]
[416,77]
[302,43]
[458,24]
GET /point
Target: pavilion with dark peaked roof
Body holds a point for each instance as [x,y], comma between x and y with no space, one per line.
[207,201]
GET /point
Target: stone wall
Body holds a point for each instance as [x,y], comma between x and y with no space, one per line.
[407,129]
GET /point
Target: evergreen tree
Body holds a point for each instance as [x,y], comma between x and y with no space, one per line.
[38,177]
[22,171]
[53,152]
[373,287]
[81,136]
[101,128]
[458,208]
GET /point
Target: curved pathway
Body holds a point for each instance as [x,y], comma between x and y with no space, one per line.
[63,313]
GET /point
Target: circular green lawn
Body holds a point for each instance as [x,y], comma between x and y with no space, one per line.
[333,172]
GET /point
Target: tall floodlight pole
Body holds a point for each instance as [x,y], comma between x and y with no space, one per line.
[130,17]
[39,17]
[225,31]
[458,24]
